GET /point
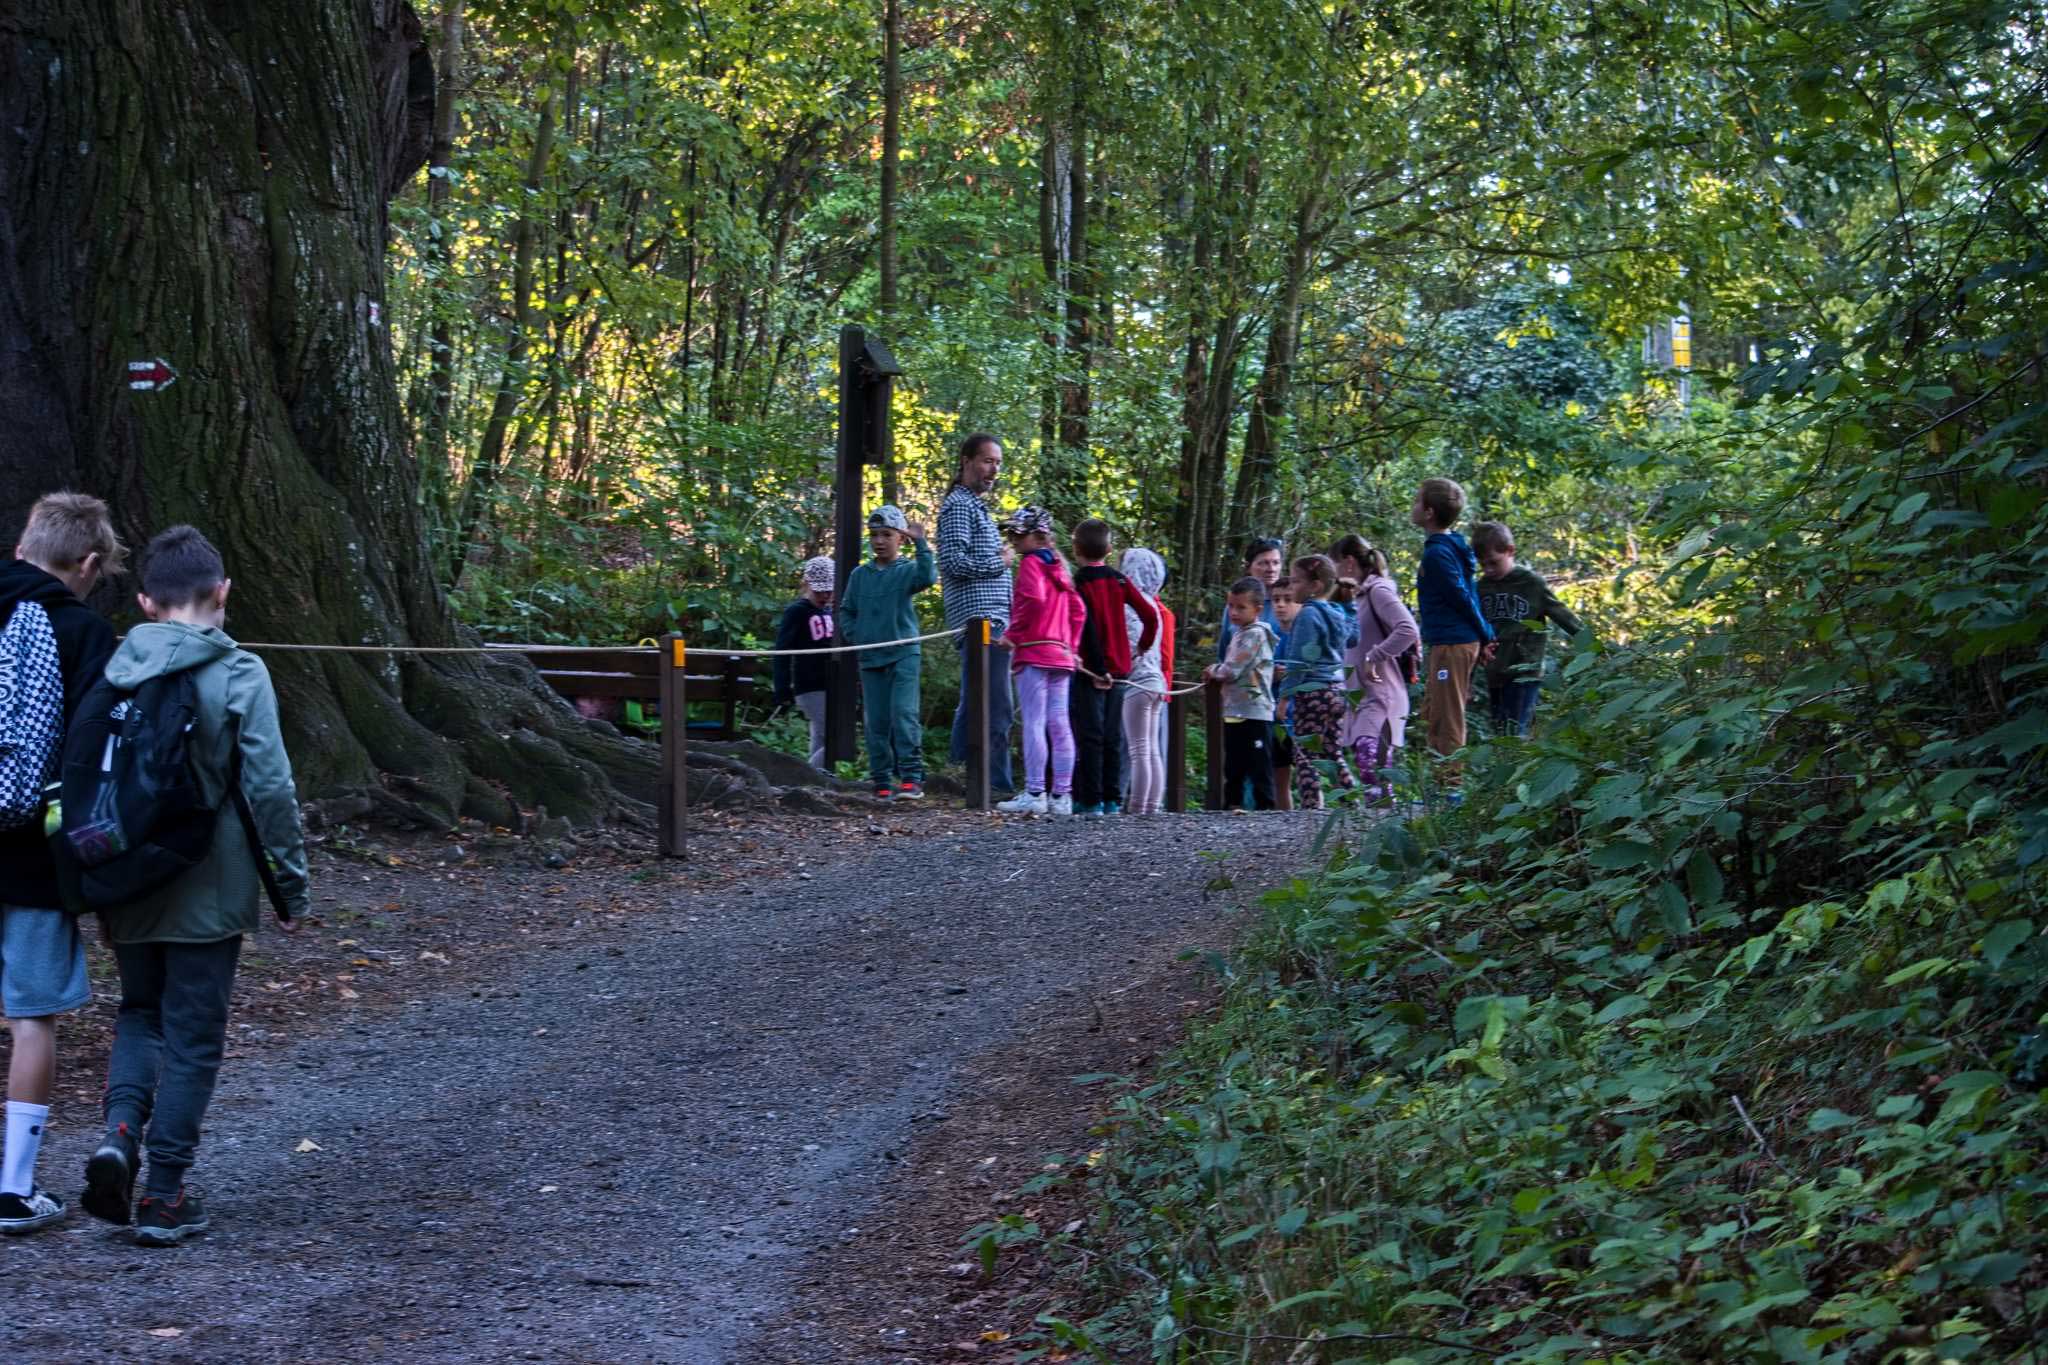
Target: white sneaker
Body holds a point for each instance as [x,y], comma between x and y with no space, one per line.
[1061,805]
[1023,803]
[21,1214]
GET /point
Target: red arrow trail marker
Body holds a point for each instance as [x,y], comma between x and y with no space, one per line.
[149,375]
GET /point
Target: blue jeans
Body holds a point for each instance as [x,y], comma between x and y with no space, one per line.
[168,1040]
[1512,704]
[1002,708]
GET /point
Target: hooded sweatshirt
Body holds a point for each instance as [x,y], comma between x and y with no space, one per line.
[1046,614]
[221,896]
[84,643]
[1150,668]
[1446,600]
[1519,606]
[877,606]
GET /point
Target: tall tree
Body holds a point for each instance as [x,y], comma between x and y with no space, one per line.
[216,197]
[892,153]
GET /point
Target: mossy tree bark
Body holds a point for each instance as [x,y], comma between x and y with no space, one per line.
[207,184]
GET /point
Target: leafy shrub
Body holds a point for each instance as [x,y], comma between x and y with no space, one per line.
[1705,1030]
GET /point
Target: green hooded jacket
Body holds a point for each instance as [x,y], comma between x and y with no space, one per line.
[222,896]
[876,605]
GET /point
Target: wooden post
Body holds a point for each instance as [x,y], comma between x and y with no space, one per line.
[1176,752]
[976,682]
[1212,724]
[675,725]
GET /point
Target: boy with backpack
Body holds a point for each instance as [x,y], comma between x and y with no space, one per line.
[177,945]
[877,607]
[52,649]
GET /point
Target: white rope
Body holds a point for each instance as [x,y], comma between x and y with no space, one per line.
[828,649]
[600,649]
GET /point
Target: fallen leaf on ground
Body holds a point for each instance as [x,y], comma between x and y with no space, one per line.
[995,1336]
[549,1189]
[348,994]
[167,1331]
[308,1145]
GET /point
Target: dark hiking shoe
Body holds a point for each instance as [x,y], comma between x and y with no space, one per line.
[910,791]
[885,793]
[161,1222]
[21,1214]
[110,1177]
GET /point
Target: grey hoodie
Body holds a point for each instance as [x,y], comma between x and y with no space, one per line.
[222,896]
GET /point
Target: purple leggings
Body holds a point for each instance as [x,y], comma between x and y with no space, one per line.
[1373,755]
[1042,701]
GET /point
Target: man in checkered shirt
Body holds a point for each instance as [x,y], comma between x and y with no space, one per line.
[974,580]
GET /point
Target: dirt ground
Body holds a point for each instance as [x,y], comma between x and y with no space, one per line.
[742,1108]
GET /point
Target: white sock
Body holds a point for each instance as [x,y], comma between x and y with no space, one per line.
[24,1139]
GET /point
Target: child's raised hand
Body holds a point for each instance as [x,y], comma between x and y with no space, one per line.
[915,530]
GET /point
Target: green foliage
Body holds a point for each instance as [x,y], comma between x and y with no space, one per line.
[1698,1033]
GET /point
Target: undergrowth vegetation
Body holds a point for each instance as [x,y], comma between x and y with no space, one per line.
[1707,1029]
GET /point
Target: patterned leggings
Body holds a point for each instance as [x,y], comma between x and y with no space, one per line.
[1042,700]
[1318,716]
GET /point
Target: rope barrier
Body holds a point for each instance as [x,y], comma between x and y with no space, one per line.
[828,649]
[1089,672]
[598,649]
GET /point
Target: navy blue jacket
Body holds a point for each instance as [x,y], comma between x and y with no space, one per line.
[1447,593]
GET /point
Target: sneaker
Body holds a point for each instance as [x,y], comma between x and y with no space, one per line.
[161,1222]
[885,793]
[110,1177]
[1061,805]
[910,791]
[1112,808]
[1024,803]
[1093,812]
[21,1214]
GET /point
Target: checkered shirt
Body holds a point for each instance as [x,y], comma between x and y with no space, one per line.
[972,578]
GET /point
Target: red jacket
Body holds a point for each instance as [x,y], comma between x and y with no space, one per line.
[1105,645]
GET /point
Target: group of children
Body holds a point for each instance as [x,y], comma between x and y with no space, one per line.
[1090,650]
[1317,658]
[177,681]
[1324,659]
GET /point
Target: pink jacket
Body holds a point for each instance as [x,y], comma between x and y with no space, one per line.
[1045,606]
[1385,629]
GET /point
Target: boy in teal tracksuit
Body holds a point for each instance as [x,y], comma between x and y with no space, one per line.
[876,606]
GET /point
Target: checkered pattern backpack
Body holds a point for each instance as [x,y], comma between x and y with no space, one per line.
[31,713]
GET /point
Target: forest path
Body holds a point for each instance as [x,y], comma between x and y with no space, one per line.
[627,1149]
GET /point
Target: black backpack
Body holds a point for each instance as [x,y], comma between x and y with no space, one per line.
[132,815]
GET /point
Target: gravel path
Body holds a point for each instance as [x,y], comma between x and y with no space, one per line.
[627,1147]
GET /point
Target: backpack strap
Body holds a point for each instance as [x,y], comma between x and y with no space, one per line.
[264,871]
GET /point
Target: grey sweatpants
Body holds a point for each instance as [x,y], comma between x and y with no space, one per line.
[812,704]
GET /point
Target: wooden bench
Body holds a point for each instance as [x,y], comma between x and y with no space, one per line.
[724,680]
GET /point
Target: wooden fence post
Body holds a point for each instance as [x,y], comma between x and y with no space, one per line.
[1212,725]
[675,725]
[1176,752]
[976,681]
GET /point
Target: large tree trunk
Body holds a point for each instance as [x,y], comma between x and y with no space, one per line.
[206,183]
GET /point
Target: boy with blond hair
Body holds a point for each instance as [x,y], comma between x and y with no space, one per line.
[53,648]
[1447,608]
